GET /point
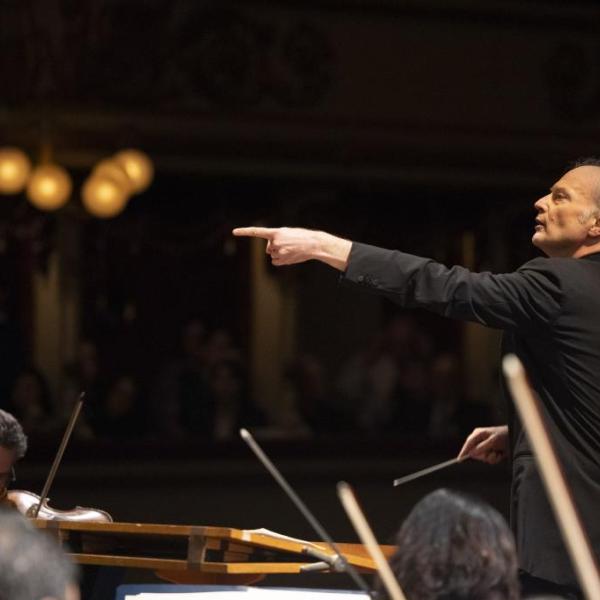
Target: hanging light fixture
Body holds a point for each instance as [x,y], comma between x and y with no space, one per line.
[15,168]
[49,187]
[138,167]
[103,196]
[111,169]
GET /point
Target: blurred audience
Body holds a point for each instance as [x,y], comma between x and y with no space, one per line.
[120,415]
[84,374]
[312,396]
[233,407]
[204,391]
[454,547]
[451,414]
[11,346]
[31,403]
[401,383]
[388,385]
[181,390]
[220,347]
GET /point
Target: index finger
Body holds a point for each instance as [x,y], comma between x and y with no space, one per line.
[470,443]
[465,452]
[266,233]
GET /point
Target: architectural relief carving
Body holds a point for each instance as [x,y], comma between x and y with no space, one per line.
[330,87]
[182,55]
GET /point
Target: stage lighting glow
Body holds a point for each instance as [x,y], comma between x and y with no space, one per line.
[103,197]
[138,167]
[15,168]
[49,187]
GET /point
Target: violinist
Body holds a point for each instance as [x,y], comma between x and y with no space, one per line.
[13,446]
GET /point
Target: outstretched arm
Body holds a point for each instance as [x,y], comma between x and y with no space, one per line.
[529,298]
[292,245]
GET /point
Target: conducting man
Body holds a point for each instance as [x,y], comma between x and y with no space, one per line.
[549,310]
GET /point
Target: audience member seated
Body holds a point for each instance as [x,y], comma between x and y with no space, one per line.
[85,374]
[204,391]
[454,547]
[387,384]
[366,386]
[182,382]
[220,348]
[452,415]
[121,415]
[31,403]
[12,353]
[32,565]
[233,407]
[312,396]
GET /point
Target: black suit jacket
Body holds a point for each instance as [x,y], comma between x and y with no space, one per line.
[549,310]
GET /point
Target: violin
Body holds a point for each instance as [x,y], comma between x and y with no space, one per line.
[27,504]
[36,507]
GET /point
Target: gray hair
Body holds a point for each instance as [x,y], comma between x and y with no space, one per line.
[590,161]
[12,436]
[32,564]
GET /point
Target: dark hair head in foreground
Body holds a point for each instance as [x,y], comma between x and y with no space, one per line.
[453,547]
[32,565]
[11,434]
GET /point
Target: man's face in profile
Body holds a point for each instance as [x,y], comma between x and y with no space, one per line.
[566,215]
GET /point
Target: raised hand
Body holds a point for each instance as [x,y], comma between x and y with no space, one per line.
[488,444]
[293,245]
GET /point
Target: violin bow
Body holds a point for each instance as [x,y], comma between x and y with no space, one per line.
[365,533]
[554,481]
[338,562]
[59,453]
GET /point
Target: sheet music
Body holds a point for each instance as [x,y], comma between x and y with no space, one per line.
[274,534]
[253,593]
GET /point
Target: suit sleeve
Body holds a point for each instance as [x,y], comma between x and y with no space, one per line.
[529,298]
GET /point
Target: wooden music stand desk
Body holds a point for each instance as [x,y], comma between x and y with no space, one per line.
[199,554]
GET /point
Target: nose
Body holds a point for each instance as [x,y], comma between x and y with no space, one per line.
[542,203]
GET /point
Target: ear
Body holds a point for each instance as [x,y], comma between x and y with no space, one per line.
[594,230]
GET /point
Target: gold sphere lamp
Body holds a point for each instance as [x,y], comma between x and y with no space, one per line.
[112,169]
[138,166]
[49,187]
[15,168]
[103,196]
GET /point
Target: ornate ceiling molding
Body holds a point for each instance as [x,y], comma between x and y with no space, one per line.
[255,86]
